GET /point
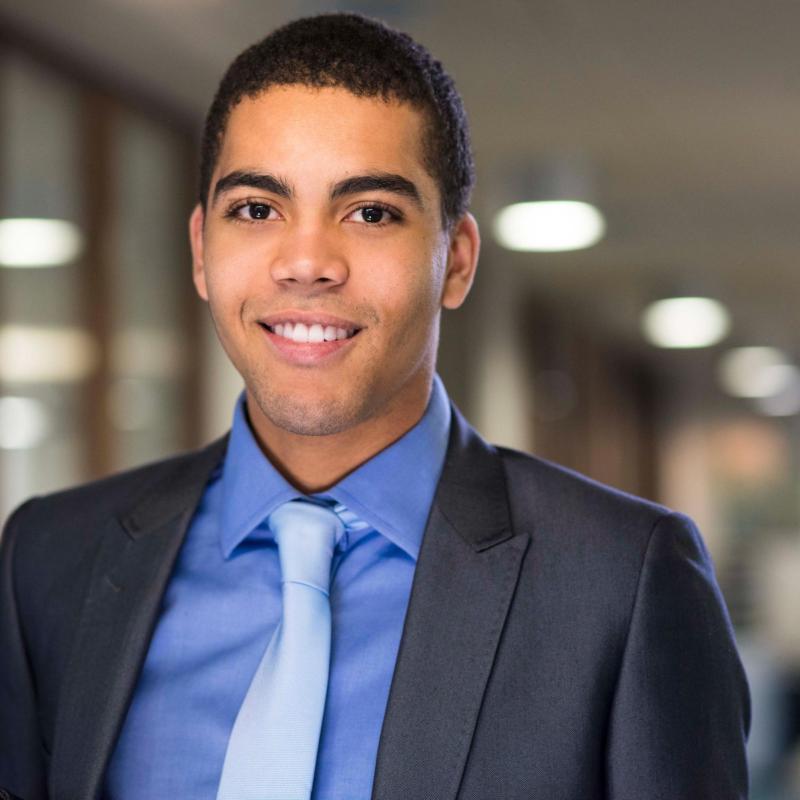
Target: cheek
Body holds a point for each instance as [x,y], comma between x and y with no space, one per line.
[419,290]
[409,305]
[231,275]
[410,272]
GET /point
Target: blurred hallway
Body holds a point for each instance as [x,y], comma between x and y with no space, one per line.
[678,123]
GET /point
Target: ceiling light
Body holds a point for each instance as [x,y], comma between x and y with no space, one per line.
[549,226]
[685,322]
[785,403]
[24,423]
[30,354]
[38,242]
[756,372]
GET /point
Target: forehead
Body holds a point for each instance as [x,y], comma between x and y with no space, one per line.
[299,129]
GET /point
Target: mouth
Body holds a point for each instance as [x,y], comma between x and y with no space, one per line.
[310,332]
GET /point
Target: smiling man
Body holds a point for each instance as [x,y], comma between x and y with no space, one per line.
[326,257]
[353,595]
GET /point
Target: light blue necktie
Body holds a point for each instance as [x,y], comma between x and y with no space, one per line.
[272,750]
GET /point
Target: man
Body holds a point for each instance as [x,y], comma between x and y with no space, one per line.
[484,625]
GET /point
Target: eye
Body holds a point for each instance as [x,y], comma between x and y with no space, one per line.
[256,210]
[251,211]
[374,215]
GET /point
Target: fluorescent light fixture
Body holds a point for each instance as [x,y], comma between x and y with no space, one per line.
[685,322]
[785,403]
[24,423]
[38,242]
[756,372]
[549,226]
[31,354]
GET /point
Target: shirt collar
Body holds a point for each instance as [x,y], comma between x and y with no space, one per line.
[392,492]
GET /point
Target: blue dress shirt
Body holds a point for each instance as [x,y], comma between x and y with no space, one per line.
[223,603]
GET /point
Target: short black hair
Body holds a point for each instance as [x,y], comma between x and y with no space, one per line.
[369,59]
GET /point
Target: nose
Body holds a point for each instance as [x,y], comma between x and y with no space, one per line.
[309,257]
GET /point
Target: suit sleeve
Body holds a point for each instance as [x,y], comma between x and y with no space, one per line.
[21,767]
[681,709]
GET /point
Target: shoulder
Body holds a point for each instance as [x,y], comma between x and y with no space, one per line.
[565,510]
[113,495]
[595,554]
[549,485]
[75,517]
[564,513]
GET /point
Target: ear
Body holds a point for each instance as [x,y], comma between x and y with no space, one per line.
[196,241]
[462,260]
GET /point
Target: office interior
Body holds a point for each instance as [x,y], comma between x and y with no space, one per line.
[650,340]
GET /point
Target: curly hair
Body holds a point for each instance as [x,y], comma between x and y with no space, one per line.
[369,59]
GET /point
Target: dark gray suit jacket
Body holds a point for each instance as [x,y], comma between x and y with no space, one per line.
[563,641]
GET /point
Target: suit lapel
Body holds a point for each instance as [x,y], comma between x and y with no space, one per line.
[129,577]
[465,578]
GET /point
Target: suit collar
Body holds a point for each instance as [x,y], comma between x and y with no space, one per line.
[472,491]
[178,490]
[131,570]
[463,587]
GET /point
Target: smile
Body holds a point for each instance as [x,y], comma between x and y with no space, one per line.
[310,333]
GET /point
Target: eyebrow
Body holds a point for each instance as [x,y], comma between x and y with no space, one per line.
[371,182]
[378,182]
[255,180]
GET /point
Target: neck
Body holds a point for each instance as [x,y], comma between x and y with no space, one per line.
[315,463]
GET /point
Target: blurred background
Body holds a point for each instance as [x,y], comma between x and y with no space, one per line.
[635,312]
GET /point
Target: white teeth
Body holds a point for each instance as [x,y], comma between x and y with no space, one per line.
[313,333]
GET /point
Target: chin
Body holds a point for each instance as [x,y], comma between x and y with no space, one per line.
[313,416]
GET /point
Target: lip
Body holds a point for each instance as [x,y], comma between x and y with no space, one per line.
[309,318]
[308,354]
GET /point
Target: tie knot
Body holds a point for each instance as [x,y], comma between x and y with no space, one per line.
[306,534]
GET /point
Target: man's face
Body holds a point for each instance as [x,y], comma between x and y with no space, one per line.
[323,257]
